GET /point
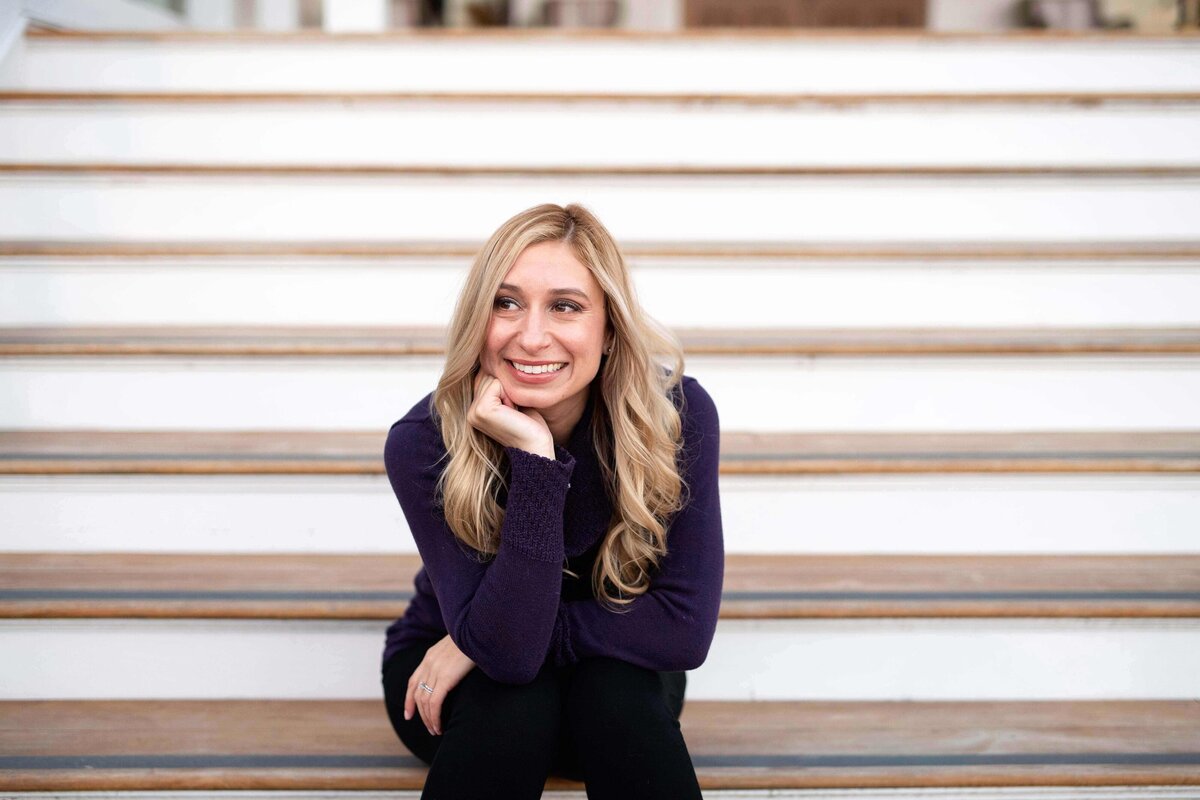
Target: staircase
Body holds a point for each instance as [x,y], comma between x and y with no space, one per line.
[944,289]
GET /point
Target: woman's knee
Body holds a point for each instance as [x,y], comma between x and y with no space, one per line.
[478,712]
[609,689]
[498,740]
[507,720]
[623,734]
[480,697]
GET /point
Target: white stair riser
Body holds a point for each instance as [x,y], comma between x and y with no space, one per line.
[678,292]
[663,208]
[571,135]
[867,659]
[761,393]
[861,514]
[752,64]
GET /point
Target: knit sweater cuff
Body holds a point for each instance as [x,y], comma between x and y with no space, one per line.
[537,495]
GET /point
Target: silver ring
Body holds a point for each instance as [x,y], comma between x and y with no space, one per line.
[422,685]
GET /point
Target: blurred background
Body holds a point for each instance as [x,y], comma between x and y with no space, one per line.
[649,15]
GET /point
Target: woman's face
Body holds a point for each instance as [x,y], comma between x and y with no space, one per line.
[548,310]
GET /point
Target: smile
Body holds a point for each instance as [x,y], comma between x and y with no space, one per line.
[538,370]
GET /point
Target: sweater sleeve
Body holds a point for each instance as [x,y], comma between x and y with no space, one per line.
[671,626]
[500,613]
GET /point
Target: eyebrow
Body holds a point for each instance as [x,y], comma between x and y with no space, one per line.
[510,287]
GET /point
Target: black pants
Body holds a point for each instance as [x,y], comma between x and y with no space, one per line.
[606,722]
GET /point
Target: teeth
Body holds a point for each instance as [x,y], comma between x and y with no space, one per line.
[538,370]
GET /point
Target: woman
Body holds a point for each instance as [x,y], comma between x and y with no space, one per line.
[561,487]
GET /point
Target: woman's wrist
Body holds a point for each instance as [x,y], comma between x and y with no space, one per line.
[543,449]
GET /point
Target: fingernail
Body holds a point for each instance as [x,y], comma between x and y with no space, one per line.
[408,715]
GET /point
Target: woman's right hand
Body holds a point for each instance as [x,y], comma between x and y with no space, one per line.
[493,413]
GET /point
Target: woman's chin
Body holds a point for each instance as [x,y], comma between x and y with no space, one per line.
[525,397]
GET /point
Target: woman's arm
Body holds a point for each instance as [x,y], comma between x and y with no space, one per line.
[501,613]
[671,626]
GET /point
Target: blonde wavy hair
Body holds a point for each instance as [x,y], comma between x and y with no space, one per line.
[636,428]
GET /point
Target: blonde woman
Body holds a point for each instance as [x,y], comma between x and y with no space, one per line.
[561,487]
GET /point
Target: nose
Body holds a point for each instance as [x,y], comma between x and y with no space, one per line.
[534,334]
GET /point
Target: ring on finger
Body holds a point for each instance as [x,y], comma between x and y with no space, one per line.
[426,687]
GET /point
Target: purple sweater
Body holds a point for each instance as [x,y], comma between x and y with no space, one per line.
[513,614]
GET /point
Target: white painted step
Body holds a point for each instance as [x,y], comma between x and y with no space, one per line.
[649,64]
[680,291]
[814,514]
[819,659]
[753,393]
[570,134]
[71,206]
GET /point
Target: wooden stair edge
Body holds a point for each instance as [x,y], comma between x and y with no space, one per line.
[779,586]
[234,452]
[720,776]
[321,340]
[784,744]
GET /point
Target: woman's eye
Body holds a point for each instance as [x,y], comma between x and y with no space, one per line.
[500,301]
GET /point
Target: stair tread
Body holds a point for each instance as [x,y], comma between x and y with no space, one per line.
[970,251]
[349,744]
[776,586]
[430,340]
[65,451]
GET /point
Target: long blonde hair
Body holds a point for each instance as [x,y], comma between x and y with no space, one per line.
[636,429]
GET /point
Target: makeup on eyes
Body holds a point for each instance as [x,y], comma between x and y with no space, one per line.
[567,291]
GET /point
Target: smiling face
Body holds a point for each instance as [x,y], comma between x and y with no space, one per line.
[549,309]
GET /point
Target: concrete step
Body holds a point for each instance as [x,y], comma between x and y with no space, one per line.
[528,61]
[891,392]
[183,205]
[726,285]
[565,131]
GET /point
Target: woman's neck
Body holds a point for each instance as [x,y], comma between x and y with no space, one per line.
[562,418]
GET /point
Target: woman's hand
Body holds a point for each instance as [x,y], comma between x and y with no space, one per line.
[442,668]
[493,413]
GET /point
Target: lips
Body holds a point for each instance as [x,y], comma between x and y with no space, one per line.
[536,377]
[533,363]
[543,364]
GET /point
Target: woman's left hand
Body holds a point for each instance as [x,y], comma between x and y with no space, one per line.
[442,668]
